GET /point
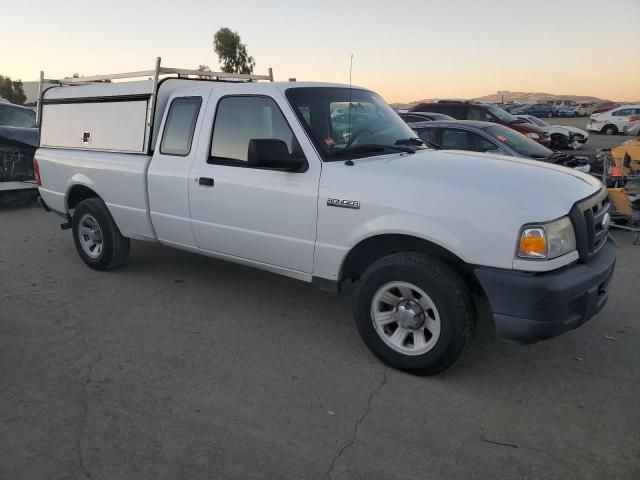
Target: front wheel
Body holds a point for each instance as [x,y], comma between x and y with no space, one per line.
[414,312]
[97,237]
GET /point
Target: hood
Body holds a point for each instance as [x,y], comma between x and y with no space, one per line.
[548,190]
[525,127]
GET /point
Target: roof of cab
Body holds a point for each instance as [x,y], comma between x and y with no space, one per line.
[145,87]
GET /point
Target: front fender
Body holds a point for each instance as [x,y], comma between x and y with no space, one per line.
[398,224]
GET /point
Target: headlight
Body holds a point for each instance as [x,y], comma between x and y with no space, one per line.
[533,135]
[547,241]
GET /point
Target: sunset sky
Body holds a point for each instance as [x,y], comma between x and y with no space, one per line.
[405,50]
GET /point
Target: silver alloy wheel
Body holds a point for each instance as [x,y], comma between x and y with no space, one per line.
[405,318]
[90,236]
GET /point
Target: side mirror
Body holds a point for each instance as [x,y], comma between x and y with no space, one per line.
[272,153]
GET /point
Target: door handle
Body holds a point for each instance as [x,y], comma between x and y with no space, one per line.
[205,181]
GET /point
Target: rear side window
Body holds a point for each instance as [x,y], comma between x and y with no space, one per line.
[181,122]
[623,113]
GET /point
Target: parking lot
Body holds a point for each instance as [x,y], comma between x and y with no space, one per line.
[596,140]
[178,366]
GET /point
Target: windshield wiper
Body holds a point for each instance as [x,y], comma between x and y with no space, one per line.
[374,147]
[418,142]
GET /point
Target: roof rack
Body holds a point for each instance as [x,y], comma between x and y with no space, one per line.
[155,73]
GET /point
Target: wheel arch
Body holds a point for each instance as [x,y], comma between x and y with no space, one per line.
[371,249]
[78,192]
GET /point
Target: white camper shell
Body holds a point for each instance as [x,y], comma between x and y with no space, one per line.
[98,113]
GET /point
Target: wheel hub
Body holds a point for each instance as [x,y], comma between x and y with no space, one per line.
[409,314]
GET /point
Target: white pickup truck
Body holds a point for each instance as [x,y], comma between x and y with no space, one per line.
[326,184]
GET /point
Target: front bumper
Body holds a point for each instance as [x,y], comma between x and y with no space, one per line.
[529,307]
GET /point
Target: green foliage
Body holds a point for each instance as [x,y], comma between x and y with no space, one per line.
[232,53]
[12,90]
[203,68]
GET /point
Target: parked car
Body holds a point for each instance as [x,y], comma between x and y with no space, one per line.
[584,109]
[562,137]
[633,128]
[16,116]
[487,137]
[17,182]
[537,110]
[410,117]
[567,111]
[511,106]
[18,143]
[600,107]
[465,110]
[561,104]
[614,121]
[252,172]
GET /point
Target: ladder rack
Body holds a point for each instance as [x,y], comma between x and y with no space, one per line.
[155,74]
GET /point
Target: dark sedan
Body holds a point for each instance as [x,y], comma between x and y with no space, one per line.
[488,137]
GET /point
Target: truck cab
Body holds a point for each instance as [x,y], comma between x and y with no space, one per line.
[326,184]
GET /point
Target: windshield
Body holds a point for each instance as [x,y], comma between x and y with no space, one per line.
[502,115]
[367,126]
[521,144]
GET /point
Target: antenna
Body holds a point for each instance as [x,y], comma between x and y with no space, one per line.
[349,161]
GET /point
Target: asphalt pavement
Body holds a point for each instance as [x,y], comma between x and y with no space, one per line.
[177,366]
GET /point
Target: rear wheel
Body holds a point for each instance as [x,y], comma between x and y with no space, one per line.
[610,130]
[97,237]
[414,312]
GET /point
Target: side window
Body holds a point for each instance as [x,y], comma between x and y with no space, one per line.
[244,118]
[481,143]
[623,113]
[181,122]
[456,140]
[455,111]
[427,134]
[479,114]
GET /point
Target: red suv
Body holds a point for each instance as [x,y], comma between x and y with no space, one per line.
[462,110]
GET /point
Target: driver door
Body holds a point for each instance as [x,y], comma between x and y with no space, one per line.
[264,216]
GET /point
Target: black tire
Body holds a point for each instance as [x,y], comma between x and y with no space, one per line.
[115,247]
[445,288]
[559,142]
[610,130]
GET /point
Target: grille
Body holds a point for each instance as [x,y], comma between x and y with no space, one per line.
[587,216]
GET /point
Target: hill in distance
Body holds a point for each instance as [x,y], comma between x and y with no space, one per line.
[513,97]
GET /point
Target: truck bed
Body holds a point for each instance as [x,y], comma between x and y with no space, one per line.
[118,178]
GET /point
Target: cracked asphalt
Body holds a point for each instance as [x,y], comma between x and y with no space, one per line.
[181,367]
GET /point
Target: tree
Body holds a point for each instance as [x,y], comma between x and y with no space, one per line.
[12,90]
[232,53]
[203,68]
